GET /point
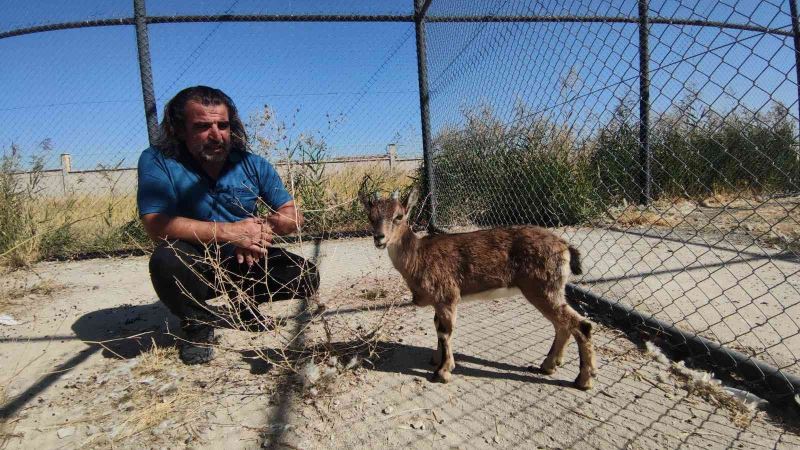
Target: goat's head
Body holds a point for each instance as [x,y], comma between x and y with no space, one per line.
[388,216]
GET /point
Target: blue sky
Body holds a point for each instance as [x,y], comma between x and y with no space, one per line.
[80,88]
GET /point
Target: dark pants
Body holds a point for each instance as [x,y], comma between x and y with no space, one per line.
[184,278]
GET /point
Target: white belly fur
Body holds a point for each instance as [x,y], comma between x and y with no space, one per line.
[493,294]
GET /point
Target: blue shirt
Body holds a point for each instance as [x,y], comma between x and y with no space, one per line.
[179,187]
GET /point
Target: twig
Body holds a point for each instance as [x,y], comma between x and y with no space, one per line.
[401,413]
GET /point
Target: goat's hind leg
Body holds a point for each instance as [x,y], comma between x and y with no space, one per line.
[566,322]
[583,335]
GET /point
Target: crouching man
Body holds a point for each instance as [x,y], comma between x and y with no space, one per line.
[198,196]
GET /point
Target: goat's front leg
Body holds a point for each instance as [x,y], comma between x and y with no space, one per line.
[446,315]
[436,358]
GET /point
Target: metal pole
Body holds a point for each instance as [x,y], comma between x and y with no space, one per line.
[796,38]
[143,45]
[645,180]
[420,8]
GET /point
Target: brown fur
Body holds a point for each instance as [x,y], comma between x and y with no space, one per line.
[440,269]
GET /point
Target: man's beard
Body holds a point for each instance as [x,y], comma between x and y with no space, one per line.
[214,153]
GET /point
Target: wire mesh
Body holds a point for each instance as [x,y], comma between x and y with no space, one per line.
[539,122]
[534,111]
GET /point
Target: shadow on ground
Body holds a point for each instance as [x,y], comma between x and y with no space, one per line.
[127,331]
[414,361]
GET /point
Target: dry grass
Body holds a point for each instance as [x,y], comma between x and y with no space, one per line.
[71,225]
[13,290]
[155,400]
[151,396]
[344,183]
[156,361]
[773,221]
[703,385]
[633,216]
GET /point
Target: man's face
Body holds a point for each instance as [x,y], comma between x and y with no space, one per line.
[207,132]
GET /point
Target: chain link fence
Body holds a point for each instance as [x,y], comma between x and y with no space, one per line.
[660,138]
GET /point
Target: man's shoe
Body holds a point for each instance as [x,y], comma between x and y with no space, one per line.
[197,348]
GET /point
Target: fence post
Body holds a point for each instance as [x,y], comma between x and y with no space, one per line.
[391,153]
[143,45]
[645,180]
[420,9]
[66,168]
[796,38]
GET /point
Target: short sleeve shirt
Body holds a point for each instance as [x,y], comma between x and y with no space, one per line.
[179,187]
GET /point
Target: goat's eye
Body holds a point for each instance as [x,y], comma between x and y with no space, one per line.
[397,218]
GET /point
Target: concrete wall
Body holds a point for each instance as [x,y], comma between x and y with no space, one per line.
[58,183]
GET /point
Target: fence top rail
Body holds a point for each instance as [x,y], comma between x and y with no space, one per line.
[783,31]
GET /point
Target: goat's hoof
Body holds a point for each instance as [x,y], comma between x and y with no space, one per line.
[440,376]
[547,369]
[583,385]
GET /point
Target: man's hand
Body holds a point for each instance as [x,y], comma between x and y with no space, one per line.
[247,256]
[251,234]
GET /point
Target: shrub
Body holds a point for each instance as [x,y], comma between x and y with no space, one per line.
[697,152]
[529,172]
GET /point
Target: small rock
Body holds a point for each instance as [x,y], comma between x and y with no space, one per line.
[329,373]
[168,388]
[418,425]
[127,406]
[92,430]
[388,410]
[118,395]
[6,319]
[65,432]
[147,381]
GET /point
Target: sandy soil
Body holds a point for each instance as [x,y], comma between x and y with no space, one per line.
[72,375]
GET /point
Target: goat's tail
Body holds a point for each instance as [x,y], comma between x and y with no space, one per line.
[575,261]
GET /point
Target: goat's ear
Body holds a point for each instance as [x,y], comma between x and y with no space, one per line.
[363,193]
[365,199]
[411,200]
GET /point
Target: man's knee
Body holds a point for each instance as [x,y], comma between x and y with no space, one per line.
[168,259]
[291,276]
[310,280]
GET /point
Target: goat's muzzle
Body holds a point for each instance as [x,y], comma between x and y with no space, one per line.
[380,240]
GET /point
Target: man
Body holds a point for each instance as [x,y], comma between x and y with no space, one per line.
[198,197]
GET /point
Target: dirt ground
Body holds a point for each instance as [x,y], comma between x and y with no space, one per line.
[92,363]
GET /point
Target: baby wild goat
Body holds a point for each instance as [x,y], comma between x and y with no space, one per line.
[440,270]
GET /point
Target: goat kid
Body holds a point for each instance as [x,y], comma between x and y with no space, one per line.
[440,270]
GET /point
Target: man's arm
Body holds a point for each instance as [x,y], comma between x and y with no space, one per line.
[251,234]
[286,220]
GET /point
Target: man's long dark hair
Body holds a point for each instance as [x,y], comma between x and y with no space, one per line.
[175,113]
